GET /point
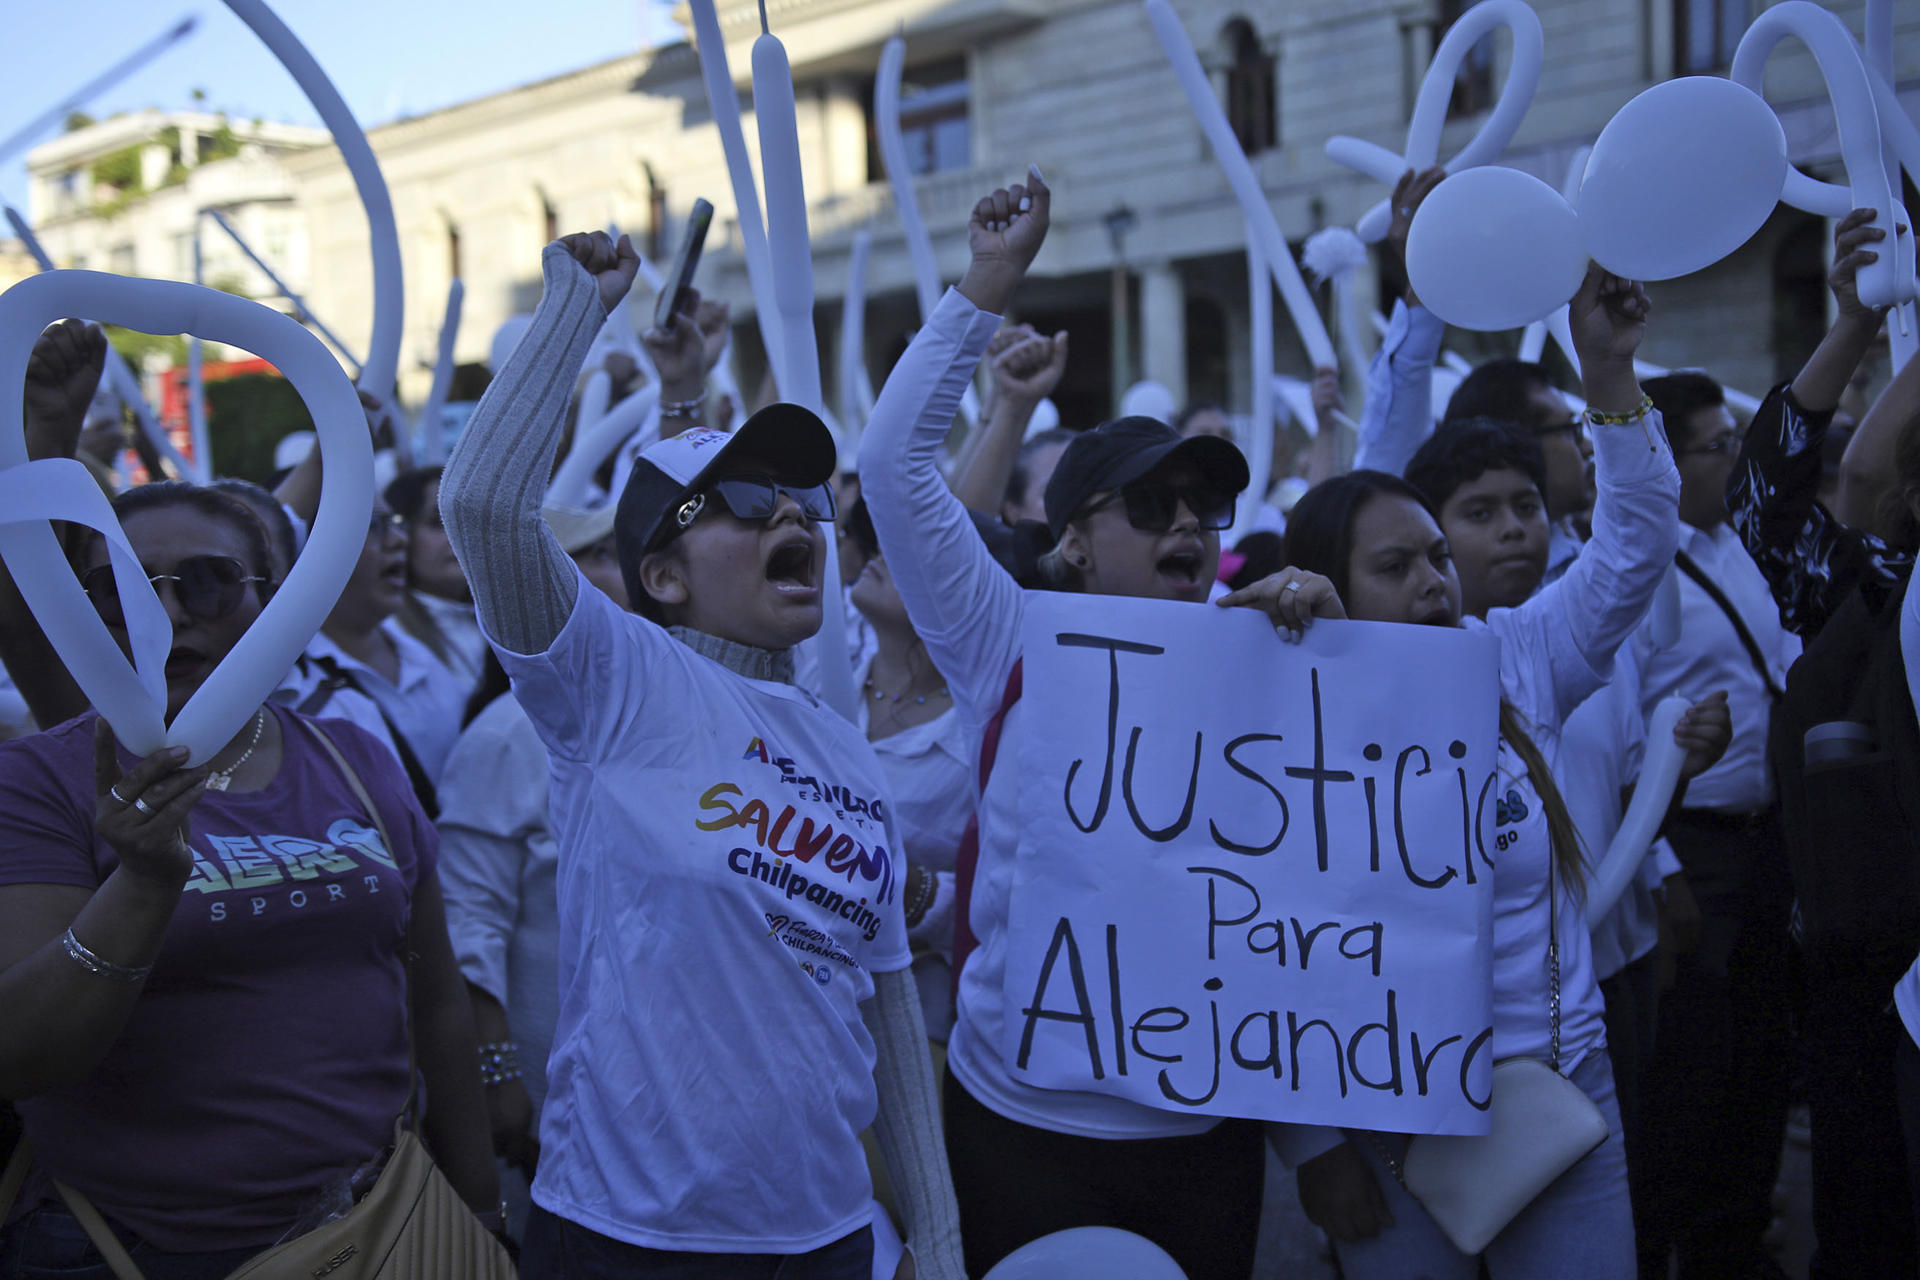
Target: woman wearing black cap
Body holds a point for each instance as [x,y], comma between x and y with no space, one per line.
[1136,511]
[735,999]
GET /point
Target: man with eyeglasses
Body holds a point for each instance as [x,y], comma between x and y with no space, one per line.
[1717,1084]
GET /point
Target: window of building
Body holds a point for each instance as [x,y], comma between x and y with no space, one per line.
[1473,83]
[1252,87]
[933,120]
[549,220]
[453,252]
[1706,32]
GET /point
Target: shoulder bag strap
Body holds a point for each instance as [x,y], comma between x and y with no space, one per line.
[373,811]
[1689,567]
[112,1252]
[339,677]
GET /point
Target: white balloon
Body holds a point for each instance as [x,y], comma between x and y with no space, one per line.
[1494,248]
[135,704]
[1681,177]
[1856,110]
[1088,1253]
[1652,794]
[1436,94]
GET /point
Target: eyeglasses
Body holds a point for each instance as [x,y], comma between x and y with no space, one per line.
[755,498]
[209,588]
[1154,504]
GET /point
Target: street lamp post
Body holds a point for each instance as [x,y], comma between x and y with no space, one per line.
[1120,220]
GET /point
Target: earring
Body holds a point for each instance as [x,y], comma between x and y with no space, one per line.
[1079,562]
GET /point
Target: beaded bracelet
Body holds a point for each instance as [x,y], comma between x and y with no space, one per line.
[1639,411]
[499,1062]
[682,408]
[98,967]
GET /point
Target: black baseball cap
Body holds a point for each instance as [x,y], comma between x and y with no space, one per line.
[787,440]
[1120,452]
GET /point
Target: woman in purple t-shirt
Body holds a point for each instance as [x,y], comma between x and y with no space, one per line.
[201,968]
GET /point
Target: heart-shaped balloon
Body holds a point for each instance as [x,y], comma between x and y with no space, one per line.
[133,699]
[1436,92]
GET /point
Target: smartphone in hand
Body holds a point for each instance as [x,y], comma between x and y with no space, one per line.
[686,260]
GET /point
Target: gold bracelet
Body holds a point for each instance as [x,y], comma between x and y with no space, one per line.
[1639,411]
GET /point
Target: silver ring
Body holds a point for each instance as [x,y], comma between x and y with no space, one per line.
[140,803]
[114,791]
[1291,586]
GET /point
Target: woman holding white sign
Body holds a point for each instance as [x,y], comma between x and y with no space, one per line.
[1136,511]
[1377,539]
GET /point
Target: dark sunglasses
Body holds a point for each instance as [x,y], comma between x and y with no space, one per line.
[1153,504]
[755,498]
[208,588]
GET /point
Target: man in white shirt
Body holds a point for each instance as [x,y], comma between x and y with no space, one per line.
[1717,1086]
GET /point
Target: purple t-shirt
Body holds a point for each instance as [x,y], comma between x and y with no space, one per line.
[267,1055]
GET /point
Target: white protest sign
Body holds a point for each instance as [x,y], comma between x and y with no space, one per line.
[1255,878]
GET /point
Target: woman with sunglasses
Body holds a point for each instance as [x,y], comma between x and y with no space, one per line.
[1377,540]
[1136,510]
[735,998]
[203,969]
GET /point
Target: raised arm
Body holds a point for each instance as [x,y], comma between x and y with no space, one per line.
[962,604]
[1585,616]
[1812,558]
[1023,375]
[524,584]
[1398,415]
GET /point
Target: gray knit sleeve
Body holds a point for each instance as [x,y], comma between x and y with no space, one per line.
[907,1126]
[524,584]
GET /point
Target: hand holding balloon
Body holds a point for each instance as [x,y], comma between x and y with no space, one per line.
[1850,253]
[143,816]
[1408,195]
[1704,732]
[61,376]
[1608,318]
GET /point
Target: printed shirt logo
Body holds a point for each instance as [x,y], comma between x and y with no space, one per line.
[837,865]
[350,863]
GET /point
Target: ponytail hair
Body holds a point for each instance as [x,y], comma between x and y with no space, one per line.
[1568,849]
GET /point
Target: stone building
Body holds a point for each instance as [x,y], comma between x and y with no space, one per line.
[1079,87]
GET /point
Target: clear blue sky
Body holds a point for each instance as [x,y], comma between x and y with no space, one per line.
[389,58]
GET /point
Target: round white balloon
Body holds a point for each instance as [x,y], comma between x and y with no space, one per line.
[1494,248]
[1680,178]
[1088,1253]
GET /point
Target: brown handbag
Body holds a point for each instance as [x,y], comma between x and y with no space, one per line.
[411,1226]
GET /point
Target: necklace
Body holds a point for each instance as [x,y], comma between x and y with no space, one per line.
[920,700]
[220,779]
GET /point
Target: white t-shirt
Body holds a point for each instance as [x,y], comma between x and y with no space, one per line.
[711,1071]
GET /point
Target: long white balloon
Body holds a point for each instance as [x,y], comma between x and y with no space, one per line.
[594,440]
[133,699]
[1260,447]
[1889,281]
[792,262]
[99,84]
[725,105]
[302,312]
[1652,794]
[431,434]
[1261,223]
[1430,108]
[853,338]
[389,301]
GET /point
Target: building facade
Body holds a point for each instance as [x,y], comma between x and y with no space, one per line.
[1143,214]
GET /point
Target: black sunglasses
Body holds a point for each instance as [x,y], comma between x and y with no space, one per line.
[1154,503]
[208,587]
[754,498]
